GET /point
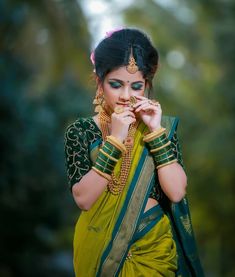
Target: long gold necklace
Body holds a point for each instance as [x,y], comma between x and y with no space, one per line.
[117,183]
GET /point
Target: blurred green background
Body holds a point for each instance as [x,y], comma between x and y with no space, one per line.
[46,83]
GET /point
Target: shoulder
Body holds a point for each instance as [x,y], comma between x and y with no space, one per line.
[82,130]
[80,125]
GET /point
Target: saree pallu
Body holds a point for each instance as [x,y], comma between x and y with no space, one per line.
[106,233]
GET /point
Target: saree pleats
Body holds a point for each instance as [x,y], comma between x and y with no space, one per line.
[152,255]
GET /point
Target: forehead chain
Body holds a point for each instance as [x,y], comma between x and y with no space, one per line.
[132,67]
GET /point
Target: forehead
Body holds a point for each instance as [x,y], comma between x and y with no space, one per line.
[122,74]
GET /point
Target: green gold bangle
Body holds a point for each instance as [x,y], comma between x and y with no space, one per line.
[157,144]
[167,163]
[162,150]
[108,156]
[166,160]
[155,134]
[162,156]
[112,152]
[104,163]
[157,139]
[106,176]
[116,143]
[102,168]
[105,158]
[161,147]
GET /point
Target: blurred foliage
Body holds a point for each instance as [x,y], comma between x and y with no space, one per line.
[46,83]
[44,86]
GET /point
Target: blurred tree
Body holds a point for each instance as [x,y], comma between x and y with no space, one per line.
[42,72]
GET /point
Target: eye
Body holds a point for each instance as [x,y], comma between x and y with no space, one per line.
[115,84]
[137,86]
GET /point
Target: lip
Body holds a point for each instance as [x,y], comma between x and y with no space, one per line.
[123,105]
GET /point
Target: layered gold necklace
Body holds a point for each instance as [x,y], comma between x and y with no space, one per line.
[117,183]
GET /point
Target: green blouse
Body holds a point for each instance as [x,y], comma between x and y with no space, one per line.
[80,135]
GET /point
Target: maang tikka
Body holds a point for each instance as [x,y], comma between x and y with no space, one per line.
[99,100]
[132,67]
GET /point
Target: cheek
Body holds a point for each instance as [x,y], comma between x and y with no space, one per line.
[139,93]
[109,95]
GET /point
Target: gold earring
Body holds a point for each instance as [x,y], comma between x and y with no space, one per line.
[99,100]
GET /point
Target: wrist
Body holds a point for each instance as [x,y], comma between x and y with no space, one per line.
[107,158]
[160,148]
[117,143]
[155,128]
[154,134]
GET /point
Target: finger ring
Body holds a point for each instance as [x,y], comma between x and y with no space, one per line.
[132,101]
[118,110]
[155,103]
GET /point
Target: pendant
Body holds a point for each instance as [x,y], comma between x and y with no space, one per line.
[129,141]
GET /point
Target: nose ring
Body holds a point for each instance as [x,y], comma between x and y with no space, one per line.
[132,101]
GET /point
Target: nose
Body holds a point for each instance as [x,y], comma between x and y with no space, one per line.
[125,94]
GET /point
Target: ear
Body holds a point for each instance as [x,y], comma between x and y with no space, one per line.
[147,86]
[99,83]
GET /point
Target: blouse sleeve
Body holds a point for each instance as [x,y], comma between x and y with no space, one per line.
[76,152]
[177,148]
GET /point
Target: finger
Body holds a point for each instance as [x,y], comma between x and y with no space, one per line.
[142,106]
[121,109]
[149,109]
[130,120]
[140,103]
[140,97]
[152,103]
[126,113]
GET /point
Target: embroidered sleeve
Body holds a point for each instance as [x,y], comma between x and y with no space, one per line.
[177,149]
[76,152]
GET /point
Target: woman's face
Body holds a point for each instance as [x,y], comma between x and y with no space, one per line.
[119,85]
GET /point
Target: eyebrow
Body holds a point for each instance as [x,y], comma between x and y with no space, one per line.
[122,82]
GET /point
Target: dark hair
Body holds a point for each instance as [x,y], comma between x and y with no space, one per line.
[114,51]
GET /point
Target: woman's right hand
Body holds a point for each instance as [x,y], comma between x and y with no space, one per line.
[120,123]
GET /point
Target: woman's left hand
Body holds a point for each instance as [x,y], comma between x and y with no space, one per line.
[149,111]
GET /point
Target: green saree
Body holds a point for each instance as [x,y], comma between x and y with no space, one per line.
[117,238]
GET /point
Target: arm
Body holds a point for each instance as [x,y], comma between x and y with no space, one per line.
[173,181]
[87,185]
[88,190]
[172,177]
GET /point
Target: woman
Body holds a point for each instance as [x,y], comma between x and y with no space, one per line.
[126,174]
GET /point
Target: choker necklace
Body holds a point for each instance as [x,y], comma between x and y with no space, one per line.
[117,183]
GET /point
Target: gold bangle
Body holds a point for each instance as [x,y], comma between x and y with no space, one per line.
[104,167]
[106,176]
[154,134]
[106,162]
[107,155]
[115,142]
[161,147]
[164,152]
[170,162]
[110,150]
